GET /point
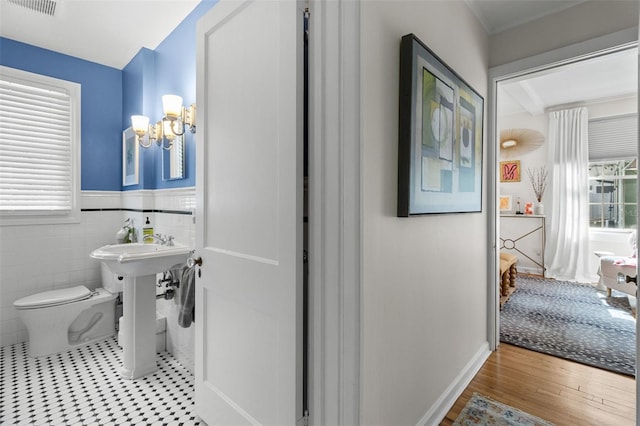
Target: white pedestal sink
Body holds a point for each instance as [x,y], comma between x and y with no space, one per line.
[141,262]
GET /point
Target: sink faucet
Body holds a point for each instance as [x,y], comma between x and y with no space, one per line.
[163,240]
[157,238]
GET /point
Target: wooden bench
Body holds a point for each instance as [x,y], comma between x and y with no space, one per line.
[508,272]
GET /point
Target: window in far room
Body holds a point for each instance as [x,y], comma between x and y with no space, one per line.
[613,172]
[612,194]
[39,149]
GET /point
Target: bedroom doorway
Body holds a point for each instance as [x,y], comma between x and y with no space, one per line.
[517,74]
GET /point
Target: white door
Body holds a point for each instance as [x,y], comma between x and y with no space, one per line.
[638,266]
[248,318]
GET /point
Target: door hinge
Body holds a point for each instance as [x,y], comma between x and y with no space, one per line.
[305,419]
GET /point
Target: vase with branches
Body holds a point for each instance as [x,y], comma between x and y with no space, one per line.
[538,179]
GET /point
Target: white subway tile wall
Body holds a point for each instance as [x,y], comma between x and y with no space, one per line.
[180,341]
[37,258]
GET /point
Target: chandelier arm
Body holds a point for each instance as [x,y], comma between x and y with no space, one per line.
[141,141]
[181,127]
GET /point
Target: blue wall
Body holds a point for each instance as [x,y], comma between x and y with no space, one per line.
[139,82]
[169,69]
[101,111]
[110,96]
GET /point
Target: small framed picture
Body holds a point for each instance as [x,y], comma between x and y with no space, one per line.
[510,171]
[505,203]
[130,158]
[528,208]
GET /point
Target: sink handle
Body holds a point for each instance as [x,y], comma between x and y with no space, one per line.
[191,262]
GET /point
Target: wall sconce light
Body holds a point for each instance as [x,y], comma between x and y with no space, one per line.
[140,126]
[174,123]
[178,116]
[146,133]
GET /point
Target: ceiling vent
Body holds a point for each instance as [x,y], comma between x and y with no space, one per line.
[47,7]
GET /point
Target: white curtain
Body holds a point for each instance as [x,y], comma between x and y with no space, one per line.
[567,248]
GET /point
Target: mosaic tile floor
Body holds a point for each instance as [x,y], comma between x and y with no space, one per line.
[83,387]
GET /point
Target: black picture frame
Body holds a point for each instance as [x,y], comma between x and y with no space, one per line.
[440,136]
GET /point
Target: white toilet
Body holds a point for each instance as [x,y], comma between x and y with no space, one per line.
[59,320]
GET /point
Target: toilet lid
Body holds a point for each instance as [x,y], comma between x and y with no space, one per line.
[54,297]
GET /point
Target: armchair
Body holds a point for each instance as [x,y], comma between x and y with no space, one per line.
[611,266]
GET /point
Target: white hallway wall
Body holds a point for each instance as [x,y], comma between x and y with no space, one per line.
[424,288]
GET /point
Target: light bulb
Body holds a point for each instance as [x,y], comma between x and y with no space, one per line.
[140,124]
[172,106]
[509,143]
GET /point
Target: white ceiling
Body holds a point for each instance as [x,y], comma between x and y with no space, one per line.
[609,77]
[500,15]
[109,32]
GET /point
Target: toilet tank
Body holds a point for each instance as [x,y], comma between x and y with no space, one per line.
[110,281]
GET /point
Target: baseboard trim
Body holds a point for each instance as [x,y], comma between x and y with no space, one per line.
[440,409]
[529,270]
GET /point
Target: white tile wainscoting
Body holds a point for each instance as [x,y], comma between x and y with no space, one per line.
[36,258]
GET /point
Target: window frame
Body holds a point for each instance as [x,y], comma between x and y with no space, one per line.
[46,216]
[619,179]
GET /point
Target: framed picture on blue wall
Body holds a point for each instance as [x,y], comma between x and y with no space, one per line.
[130,158]
[439,136]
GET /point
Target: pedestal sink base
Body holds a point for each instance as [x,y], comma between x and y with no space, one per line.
[139,327]
[140,372]
[140,262]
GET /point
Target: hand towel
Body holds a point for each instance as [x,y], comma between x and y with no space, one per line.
[187,296]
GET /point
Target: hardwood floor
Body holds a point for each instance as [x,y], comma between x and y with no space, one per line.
[557,390]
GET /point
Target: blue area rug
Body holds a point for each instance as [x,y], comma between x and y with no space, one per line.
[482,410]
[572,321]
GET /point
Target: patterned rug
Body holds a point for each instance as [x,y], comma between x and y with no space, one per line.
[572,321]
[482,410]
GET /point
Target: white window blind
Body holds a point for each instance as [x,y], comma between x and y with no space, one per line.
[613,138]
[39,145]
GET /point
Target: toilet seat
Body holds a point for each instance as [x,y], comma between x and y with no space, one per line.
[53,298]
